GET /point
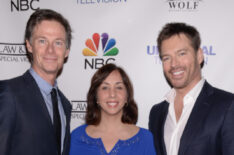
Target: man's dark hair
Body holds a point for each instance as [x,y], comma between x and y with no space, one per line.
[172,29]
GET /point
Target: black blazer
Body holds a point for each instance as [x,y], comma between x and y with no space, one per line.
[25,125]
[210,127]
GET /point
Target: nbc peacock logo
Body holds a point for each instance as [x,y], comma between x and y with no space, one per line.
[108,45]
[96,45]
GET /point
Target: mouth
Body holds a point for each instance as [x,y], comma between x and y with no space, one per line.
[112,104]
[50,59]
[177,74]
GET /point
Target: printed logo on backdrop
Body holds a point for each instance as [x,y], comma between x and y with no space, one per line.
[78,110]
[88,2]
[24,5]
[13,52]
[208,51]
[183,5]
[99,51]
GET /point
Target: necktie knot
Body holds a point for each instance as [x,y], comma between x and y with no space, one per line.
[54,96]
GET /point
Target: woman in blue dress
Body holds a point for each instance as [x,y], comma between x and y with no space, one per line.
[111,117]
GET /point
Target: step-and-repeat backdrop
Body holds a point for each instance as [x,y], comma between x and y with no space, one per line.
[134,26]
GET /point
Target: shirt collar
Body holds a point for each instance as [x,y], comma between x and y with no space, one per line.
[192,94]
[43,85]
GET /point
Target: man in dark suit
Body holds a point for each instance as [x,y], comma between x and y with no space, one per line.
[34,121]
[195,118]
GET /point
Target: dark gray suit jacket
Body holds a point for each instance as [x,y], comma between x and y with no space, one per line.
[210,127]
[25,125]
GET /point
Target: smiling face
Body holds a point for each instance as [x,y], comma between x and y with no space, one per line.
[48,47]
[112,95]
[181,64]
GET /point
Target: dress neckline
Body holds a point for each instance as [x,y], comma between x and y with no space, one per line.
[98,141]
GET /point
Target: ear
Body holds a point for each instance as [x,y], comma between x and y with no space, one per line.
[200,56]
[29,47]
[67,53]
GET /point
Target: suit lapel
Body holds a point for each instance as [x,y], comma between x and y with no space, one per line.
[164,116]
[194,122]
[38,99]
[65,104]
[67,111]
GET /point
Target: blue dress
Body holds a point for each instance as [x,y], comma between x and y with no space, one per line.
[140,144]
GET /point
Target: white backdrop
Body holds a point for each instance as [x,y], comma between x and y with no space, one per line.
[134,25]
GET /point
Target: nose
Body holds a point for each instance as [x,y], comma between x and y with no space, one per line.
[50,48]
[174,62]
[112,93]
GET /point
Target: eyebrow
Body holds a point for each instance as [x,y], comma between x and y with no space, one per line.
[183,49]
[62,39]
[177,51]
[38,37]
[119,82]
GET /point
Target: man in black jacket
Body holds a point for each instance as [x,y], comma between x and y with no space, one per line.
[195,118]
[32,120]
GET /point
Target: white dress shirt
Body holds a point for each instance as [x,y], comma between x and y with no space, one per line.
[173,130]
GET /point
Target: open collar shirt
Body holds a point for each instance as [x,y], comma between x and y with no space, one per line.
[173,130]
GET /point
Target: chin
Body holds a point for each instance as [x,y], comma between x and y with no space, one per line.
[178,85]
[52,71]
